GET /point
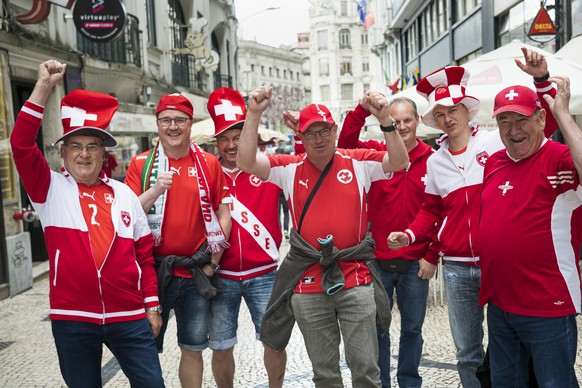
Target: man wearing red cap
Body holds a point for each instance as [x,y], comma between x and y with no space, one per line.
[453,197]
[530,233]
[408,270]
[185,195]
[328,282]
[103,287]
[248,266]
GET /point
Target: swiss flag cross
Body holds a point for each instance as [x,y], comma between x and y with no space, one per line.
[125,218]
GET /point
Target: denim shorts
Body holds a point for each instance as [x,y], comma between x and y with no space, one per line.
[225,307]
[191,311]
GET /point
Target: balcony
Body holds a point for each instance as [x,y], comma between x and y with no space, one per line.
[126,49]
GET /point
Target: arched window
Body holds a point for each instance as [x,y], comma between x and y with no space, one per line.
[345,41]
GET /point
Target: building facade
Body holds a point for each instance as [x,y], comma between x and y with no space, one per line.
[165,46]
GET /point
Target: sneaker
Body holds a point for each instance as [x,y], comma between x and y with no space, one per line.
[286,234]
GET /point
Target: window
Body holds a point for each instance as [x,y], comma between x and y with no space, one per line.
[262,70]
[364,38]
[284,74]
[323,66]
[410,40]
[464,7]
[365,64]
[278,74]
[151,22]
[366,87]
[252,68]
[346,66]
[347,92]
[324,91]
[344,8]
[270,71]
[322,39]
[344,39]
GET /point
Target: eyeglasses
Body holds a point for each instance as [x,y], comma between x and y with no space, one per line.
[179,121]
[78,147]
[325,132]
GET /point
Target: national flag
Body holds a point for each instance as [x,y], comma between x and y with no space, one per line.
[369,21]
[362,6]
[415,76]
[394,87]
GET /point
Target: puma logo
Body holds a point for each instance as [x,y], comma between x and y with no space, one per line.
[176,170]
[304,183]
[92,196]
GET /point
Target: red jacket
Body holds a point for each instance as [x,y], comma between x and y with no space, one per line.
[79,291]
[393,203]
[255,236]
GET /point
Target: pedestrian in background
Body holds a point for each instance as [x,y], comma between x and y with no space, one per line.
[185,195]
[248,266]
[103,288]
[406,271]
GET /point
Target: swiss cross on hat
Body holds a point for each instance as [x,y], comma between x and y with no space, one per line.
[227,108]
[175,101]
[517,98]
[87,113]
[446,87]
[314,113]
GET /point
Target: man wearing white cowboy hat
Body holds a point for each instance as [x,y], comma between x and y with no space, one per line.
[184,192]
[248,266]
[103,287]
[453,195]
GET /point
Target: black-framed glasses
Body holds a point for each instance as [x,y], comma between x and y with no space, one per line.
[165,122]
[325,132]
[91,148]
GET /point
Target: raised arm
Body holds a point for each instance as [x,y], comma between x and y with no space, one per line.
[396,157]
[571,131]
[247,158]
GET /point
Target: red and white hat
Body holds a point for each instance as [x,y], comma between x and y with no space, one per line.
[519,99]
[87,113]
[227,108]
[175,101]
[314,113]
[446,87]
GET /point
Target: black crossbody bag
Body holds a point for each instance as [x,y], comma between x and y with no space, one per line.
[312,194]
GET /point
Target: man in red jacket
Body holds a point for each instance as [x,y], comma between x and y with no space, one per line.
[393,205]
[103,287]
[248,266]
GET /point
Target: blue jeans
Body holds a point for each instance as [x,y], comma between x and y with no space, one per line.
[550,341]
[462,284]
[323,318]
[411,297]
[191,311]
[225,307]
[80,349]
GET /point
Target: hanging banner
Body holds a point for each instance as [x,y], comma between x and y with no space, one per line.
[100,20]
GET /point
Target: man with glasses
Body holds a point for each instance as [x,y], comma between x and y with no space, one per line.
[328,282]
[103,287]
[185,195]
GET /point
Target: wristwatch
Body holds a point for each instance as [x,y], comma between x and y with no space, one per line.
[157,309]
[389,128]
[215,267]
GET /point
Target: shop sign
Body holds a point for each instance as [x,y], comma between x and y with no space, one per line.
[100,20]
[542,27]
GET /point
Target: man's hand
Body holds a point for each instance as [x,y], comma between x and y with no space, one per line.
[426,270]
[535,63]
[260,99]
[397,240]
[365,103]
[51,72]
[155,320]
[377,104]
[291,118]
[163,183]
[561,103]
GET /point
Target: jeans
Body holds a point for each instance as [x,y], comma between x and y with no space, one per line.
[462,284]
[350,313]
[225,307]
[80,349]
[550,341]
[191,311]
[411,297]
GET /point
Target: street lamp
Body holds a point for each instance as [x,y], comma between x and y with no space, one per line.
[257,13]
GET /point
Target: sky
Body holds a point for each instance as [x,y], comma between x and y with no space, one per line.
[272,27]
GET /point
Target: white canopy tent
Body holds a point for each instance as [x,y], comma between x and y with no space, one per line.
[572,50]
[202,130]
[496,70]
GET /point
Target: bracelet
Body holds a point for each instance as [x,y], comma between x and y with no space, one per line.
[542,79]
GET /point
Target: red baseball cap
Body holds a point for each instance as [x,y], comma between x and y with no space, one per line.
[314,113]
[517,98]
[175,101]
[227,108]
[87,113]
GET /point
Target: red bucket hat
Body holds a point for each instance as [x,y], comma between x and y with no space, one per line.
[519,99]
[446,87]
[314,113]
[175,101]
[227,108]
[88,113]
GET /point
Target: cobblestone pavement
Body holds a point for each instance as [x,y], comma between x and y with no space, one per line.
[28,357]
